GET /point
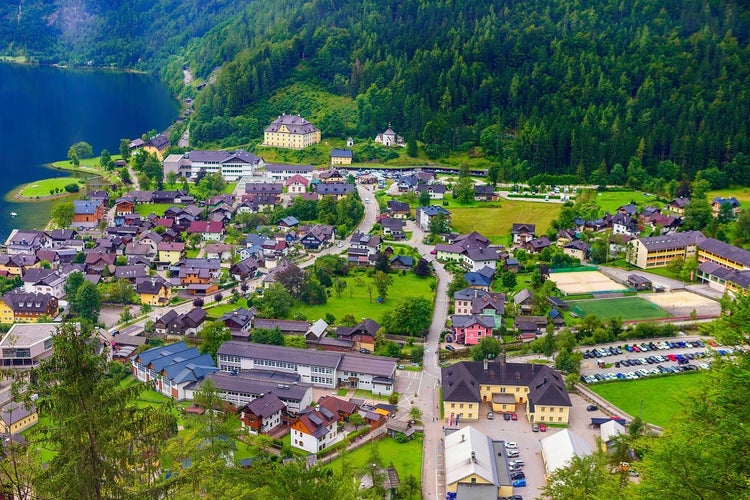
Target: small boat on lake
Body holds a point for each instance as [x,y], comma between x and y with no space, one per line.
[13,214]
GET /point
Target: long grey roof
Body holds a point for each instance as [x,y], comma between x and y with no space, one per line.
[373,365]
[675,240]
[726,251]
[250,384]
[279,353]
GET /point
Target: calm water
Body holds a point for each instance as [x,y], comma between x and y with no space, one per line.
[44,110]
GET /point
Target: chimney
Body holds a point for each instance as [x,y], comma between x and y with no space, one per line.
[484,364]
[474,457]
[463,438]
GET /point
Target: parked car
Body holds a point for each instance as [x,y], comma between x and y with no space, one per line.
[490,415]
[513,416]
[520,483]
[517,475]
[364,351]
[506,416]
[511,445]
[542,428]
[519,463]
[512,454]
[449,347]
[592,408]
[534,427]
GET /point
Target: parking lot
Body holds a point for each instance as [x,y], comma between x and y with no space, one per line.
[528,442]
[647,358]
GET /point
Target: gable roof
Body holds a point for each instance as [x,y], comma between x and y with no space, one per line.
[265,406]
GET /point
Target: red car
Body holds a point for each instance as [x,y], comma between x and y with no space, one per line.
[513,416]
[542,428]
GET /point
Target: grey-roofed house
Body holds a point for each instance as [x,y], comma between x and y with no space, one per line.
[241,387]
[524,300]
[638,282]
[262,414]
[475,466]
[175,369]
[319,368]
[174,323]
[539,389]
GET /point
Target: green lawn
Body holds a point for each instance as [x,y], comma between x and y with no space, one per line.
[405,457]
[627,308]
[612,200]
[145,209]
[741,193]
[497,221]
[355,298]
[659,395]
[43,187]
[218,311]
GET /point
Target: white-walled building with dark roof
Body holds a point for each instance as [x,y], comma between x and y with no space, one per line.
[326,369]
[244,387]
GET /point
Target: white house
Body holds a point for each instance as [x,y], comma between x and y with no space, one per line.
[315,430]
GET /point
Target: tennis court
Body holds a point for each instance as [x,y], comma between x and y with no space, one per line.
[683,303]
[571,283]
[627,308]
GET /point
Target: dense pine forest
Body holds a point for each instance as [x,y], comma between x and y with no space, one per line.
[641,92]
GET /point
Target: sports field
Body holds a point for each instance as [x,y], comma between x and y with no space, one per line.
[584,282]
[627,308]
[659,396]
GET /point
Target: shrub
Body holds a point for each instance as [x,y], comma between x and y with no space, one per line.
[72,188]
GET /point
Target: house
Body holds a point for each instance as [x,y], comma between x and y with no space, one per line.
[291,132]
[658,251]
[362,335]
[296,184]
[132,273]
[87,213]
[18,306]
[341,156]
[286,326]
[464,299]
[231,165]
[209,230]
[398,209]
[536,245]
[578,249]
[154,291]
[174,323]
[239,320]
[426,214]
[344,409]
[335,189]
[402,262]
[472,250]
[536,389]
[241,387]
[389,138]
[282,172]
[315,430]
[524,301]
[484,192]
[175,369]
[157,145]
[326,369]
[45,281]
[22,242]
[263,414]
[638,282]
[523,233]
[678,205]
[470,329]
[244,269]
[393,227]
[436,191]
[170,252]
[367,242]
[475,466]
[219,251]
[624,224]
[17,417]
[718,203]
[272,189]
[316,331]
[481,278]
[530,326]
[317,236]
[59,237]
[25,345]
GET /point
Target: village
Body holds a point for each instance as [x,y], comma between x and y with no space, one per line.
[348,307]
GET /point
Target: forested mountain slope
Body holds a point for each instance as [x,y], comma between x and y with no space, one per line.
[573,86]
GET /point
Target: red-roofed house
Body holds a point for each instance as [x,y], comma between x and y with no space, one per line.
[315,430]
[297,184]
[209,230]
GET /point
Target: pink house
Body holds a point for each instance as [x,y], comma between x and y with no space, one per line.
[297,184]
[470,329]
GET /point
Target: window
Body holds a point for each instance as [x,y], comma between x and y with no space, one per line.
[541,419]
[453,405]
[461,406]
[559,419]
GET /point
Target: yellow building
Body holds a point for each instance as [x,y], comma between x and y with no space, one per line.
[658,251]
[503,387]
[475,465]
[341,157]
[154,291]
[170,252]
[291,132]
[18,306]
[15,417]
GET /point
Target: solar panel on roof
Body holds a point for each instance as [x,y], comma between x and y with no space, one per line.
[315,419]
[326,412]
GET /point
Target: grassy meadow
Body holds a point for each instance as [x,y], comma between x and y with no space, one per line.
[659,396]
[494,222]
[405,457]
[42,187]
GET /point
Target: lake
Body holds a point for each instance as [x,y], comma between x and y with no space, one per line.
[45,110]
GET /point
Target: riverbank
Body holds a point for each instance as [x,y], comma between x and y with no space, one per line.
[46,189]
